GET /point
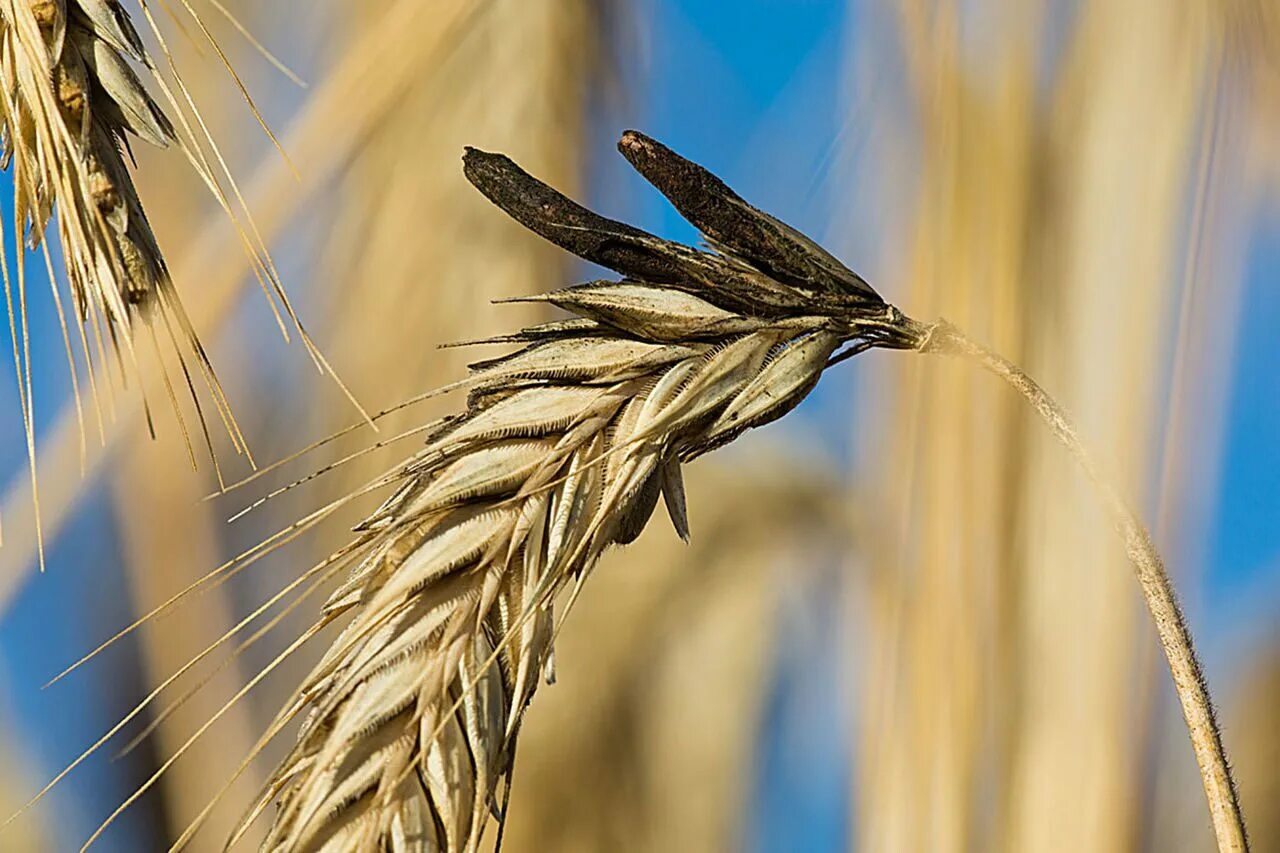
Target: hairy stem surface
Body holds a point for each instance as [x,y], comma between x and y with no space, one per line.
[1171,624]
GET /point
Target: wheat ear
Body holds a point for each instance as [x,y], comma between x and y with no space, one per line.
[410,720]
[72,103]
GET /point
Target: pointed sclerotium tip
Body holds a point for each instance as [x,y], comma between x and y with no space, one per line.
[649,156]
[472,155]
[633,142]
[481,167]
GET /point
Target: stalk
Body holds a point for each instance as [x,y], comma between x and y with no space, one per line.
[1171,625]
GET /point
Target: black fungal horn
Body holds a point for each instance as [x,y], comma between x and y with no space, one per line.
[731,223]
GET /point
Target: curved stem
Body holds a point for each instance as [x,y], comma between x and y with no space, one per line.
[1171,625]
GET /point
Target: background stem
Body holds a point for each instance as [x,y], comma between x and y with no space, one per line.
[1171,625]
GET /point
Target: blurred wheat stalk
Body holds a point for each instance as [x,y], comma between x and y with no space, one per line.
[161,558]
[1050,221]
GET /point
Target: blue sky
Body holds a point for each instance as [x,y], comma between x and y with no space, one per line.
[1244,550]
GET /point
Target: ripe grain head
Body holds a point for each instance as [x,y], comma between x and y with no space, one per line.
[564,449]
[77,89]
[72,105]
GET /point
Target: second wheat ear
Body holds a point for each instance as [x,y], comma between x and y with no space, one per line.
[410,720]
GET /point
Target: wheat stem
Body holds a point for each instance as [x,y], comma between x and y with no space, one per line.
[1157,589]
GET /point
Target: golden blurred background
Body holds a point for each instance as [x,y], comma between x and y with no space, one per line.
[902,623]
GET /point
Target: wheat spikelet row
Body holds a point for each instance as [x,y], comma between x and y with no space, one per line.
[72,104]
[71,107]
[67,142]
